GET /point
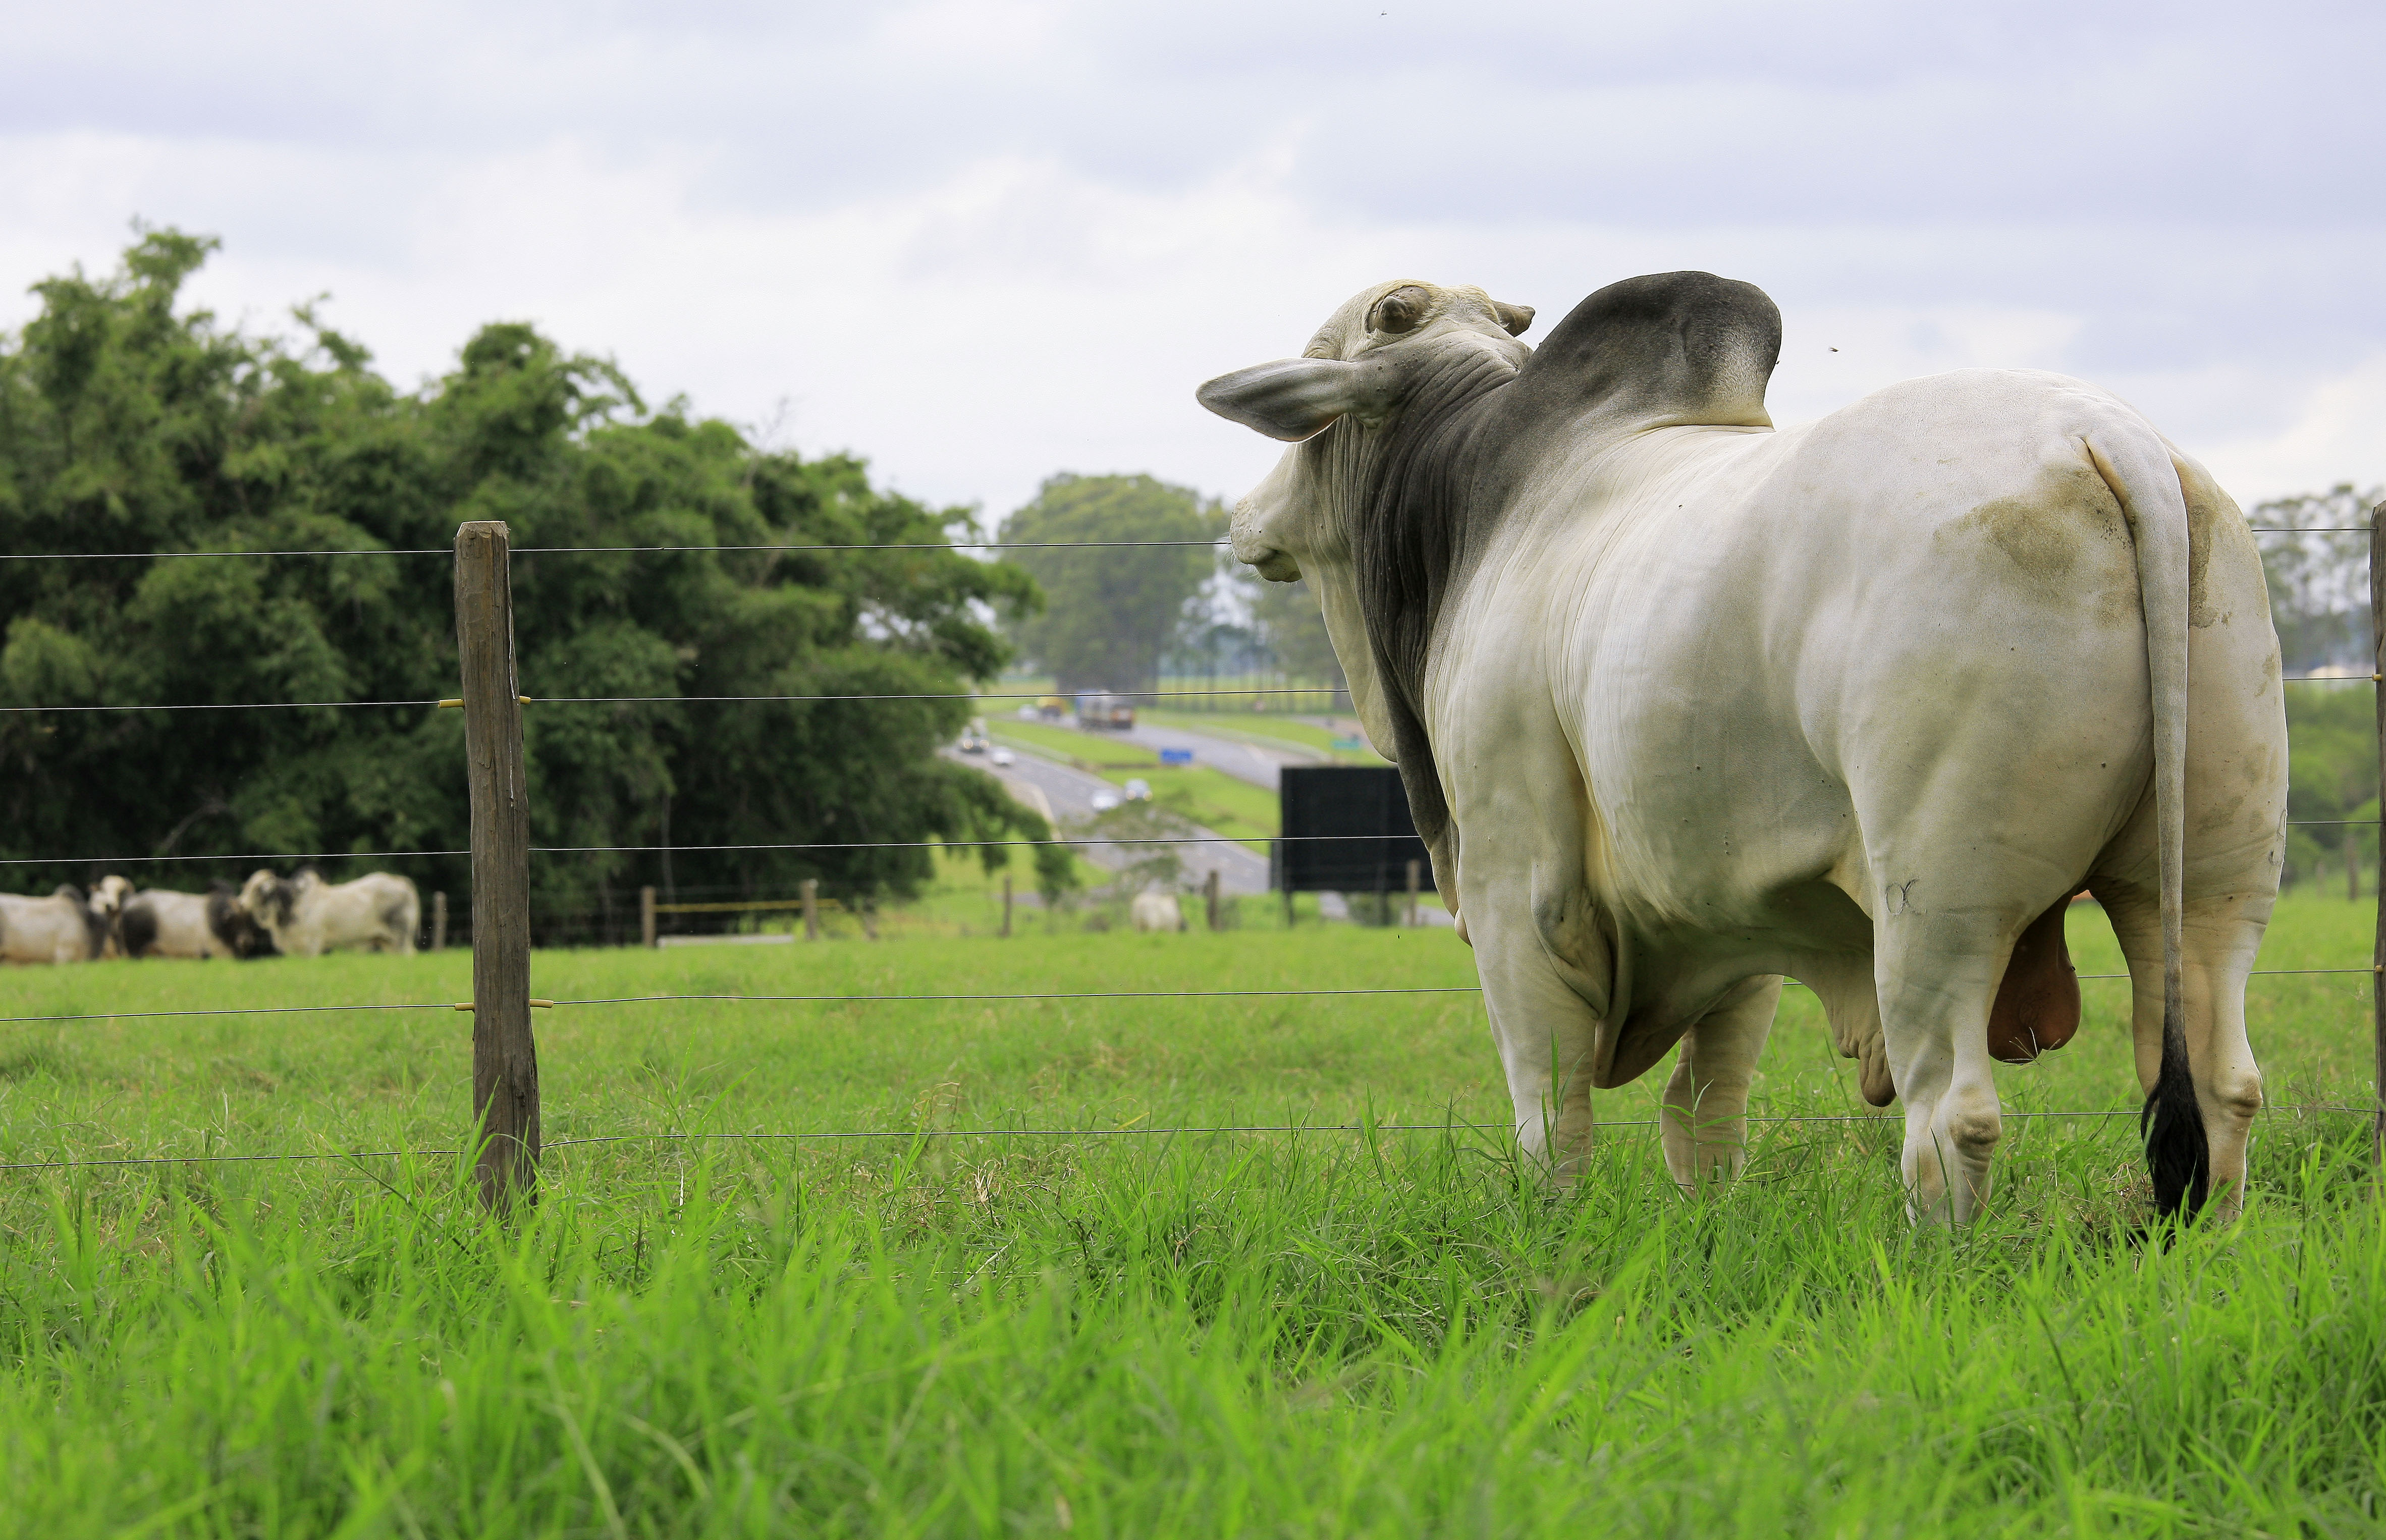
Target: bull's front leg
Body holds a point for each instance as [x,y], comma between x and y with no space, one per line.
[1546,979]
[1703,1120]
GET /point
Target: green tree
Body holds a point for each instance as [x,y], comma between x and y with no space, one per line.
[1293,630]
[1110,613]
[2319,580]
[2332,776]
[129,427]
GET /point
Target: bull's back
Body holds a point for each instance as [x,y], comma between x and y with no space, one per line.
[1768,625]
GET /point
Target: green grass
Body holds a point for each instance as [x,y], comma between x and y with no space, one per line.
[1394,1333]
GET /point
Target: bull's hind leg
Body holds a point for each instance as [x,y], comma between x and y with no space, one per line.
[1937,975]
[1945,927]
[2218,940]
[1703,1120]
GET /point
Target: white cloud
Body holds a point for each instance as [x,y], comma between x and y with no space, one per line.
[983,240]
[2337,434]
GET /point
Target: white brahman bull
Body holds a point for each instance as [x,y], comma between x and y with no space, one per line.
[1684,703]
[65,927]
[157,922]
[1155,910]
[306,917]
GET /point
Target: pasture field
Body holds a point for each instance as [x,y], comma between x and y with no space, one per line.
[1119,1332]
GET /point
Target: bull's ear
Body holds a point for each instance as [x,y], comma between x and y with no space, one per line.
[1292,398]
[1514,318]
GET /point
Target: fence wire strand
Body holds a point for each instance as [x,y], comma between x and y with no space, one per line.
[1883,1118]
[889,546]
[629,550]
[711,700]
[701,849]
[754,700]
[925,999]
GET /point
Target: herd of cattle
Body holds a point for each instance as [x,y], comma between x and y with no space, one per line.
[301,916]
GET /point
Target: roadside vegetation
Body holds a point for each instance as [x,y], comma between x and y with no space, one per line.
[1124,1334]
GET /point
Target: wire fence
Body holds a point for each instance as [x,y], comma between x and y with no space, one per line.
[1235,692]
[790,550]
[1489,1133]
[877,998]
[632,550]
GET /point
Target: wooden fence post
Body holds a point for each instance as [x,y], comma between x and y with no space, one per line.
[439,922]
[1414,876]
[647,917]
[1006,905]
[2378,957]
[811,908]
[505,1059]
[1210,900]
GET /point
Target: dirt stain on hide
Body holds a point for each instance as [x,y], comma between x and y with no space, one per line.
[2049,534]
[2033,535]
[2211,515]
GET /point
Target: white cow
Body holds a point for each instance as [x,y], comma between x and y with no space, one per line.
[65,927]
[1684,703]
[157,922]
[1155,910]
[306,917]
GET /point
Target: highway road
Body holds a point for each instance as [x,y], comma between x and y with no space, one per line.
[1258,763]
[1066,795]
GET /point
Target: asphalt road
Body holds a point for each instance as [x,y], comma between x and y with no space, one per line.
[1067,794]
[1256,763]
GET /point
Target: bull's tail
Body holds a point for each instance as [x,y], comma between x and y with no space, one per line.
[2136,466]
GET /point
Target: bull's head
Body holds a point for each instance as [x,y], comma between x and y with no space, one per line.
[1341,405]
[266,897]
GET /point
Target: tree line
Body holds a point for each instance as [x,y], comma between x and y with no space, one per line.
[2319,601]
[131,423]
[1122,616]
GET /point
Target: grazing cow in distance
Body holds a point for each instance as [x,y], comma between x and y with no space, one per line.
[107,897]
[157,922]
[65,927]
[1684,705]
[1157,911]
[306,917]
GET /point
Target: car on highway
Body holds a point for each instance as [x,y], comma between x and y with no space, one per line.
[1104,801]
[1000,756]
[1139,790]
[1101,711]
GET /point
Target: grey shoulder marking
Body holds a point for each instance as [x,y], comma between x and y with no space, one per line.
[1660,350]
[1669,349]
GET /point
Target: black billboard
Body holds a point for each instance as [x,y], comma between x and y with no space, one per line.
[1322,806]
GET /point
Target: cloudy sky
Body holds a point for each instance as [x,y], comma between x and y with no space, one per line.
[979,242]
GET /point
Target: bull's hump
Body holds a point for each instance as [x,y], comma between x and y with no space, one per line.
[1662,350]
